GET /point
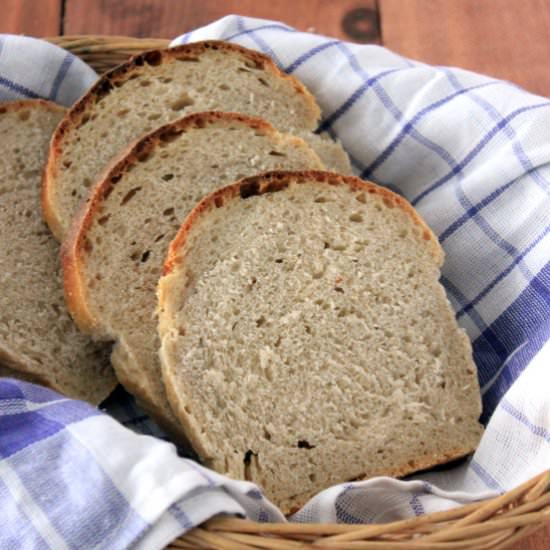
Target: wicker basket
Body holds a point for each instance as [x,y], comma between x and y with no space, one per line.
[492,524]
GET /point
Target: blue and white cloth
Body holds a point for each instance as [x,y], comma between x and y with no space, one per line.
[472,155]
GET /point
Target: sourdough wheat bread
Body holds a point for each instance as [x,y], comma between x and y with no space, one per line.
[161,86]
[306,339]
[38,340]
[114,255]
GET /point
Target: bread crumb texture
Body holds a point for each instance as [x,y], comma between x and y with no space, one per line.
[38,340]
[119,249]
[160,87]
[307,341]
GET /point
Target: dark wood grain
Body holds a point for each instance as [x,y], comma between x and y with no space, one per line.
[348,19]
[502,38]
[32,17]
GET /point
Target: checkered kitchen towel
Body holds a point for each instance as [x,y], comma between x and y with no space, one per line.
[471,153]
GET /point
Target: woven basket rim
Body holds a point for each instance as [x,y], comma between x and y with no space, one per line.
[491,524]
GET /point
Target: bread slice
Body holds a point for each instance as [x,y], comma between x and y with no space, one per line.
[113,258]
[38,340]
[161,86]
[306,339]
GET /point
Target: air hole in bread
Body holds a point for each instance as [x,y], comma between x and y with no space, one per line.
[122,112]
[243,70]
[154,116]
[165,80]
[185,100]
[145,83]
[24,115]
[67,163]
[263,82]
[169,136]
[356,217]
[168,212]
[104,219]
[167,177]
[144,156]
[128,197]
[260,321]
[86,182]
[276,154]
[247,457]
[224,87]
[87,245]
[145,256]
[304,444]
[254,64]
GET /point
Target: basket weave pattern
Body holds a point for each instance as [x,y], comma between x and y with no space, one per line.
[491,524]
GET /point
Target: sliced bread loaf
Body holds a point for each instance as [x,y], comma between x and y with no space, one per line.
[113,258]
[160,86]
[306,339]
[38,340]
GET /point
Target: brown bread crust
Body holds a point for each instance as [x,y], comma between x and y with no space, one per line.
[116,78]
[276,181]
[273,182]
[73,250]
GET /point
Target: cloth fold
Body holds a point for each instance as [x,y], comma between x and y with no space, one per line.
[470,153]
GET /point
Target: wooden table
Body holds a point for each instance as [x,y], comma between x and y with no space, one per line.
[504,38]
